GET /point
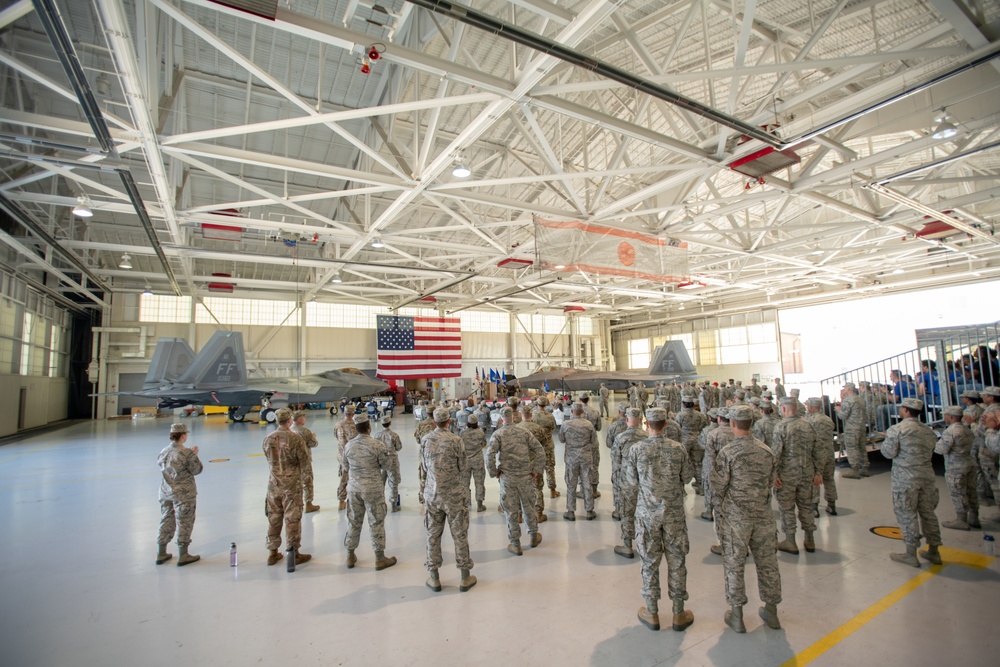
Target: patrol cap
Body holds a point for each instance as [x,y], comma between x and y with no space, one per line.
[969,393]
[787,400]
[814,402]
[283,415]
[713,413]
[507,413]
[992,391]
[543,401]
[740,413]
[740,394]
[622,407]
[794,392]
[687,398]
[473,419]
[766,394]
[954,411]
[298,413]
[634,413]
[386,419]
[850,385]
[656,415]
[754,400]
[721,413]
[913,404]
[351,407]
[360,418]
[577,407]
[513,401]
[178,428]
[441,415]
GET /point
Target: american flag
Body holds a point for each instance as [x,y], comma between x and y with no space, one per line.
[419,347]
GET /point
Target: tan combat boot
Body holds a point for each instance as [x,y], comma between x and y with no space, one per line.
[808,543]
[682,617]
[183,558]
[957,524]
[931,554]
[381,562]
[649,615]
[626,550]
[301,558]
[468,581]
[542,518]
[734,618]
[311,508]
[788,545]
[352,560]
[769,614]
[536,539]
[434,581]
[909,558]
[162,556]
[273,557]
[553,493]
[515,548]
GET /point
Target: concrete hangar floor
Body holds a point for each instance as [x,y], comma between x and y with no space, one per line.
[79,516]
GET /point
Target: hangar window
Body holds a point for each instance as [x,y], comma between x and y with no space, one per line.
[245,311]
[638,353]
[159,308]
[483,321]
[585,326]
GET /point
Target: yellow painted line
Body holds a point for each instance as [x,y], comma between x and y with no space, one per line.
[251,455]
[949,556]
[32,451]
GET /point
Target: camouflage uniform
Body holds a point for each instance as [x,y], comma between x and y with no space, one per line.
[692,422]
[615,428]
[742,479]
[823,429]
[674,398]
[473,444]
[852,414]
[763,428]
[423,428]
[548,424]
[393,444]
[603,395]
[539,481]
[655,472]
[910,445]
[714,442]
[643,396]
[591,415]
[345,430]
[580,438]
[366,460]
[178,493]
[960,473]
[798,462]
[672,430]
[307,470]
[446,496]
[989,454]
[779,390]
[520,456]
[626,504]
[286,454]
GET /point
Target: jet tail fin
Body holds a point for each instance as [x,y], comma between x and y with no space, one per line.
[671,358]
[173,356]
[220,364]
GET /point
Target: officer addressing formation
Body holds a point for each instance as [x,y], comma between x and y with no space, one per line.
[735,457]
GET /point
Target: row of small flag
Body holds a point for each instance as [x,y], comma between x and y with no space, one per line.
[494,376]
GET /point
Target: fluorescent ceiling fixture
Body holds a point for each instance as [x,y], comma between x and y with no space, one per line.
[817,252]
[126,262]
[377,242]
[82,208]
[461,171]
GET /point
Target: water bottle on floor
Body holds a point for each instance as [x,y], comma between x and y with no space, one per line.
[989,546]
[232,555]
[290,559]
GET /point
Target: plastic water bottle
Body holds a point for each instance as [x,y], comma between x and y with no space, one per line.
[989,545]
[232,555]
[290,559]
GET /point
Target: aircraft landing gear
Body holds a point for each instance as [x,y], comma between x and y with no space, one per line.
[235,416]
[267,415]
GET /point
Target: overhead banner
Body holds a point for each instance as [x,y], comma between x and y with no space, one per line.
[594,249]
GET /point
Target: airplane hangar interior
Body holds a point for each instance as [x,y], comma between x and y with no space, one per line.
[723,259]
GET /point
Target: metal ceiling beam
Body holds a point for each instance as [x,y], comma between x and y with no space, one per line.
[27,253]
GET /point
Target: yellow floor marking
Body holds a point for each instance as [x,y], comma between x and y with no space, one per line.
[255,455]
[949,556]
[32,451]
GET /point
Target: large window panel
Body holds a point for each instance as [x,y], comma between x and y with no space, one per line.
[638,353]
[159,308]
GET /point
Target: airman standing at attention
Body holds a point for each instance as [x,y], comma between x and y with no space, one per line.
[989,453]
[852,414]
[515,457]
[692,422]
[366,459]
[538,432]
[393,444]
[344,431]
[614,428]
[590,414]
[716,439]
[580,437]
[763,428]
[823,429]
[544,418]
[286,454]
[474,445]
[643,396]
[178,495]
[955,446]
[624,441]
[604,395]
[798,474]
[779,389]
[656,471]
[633,395]
[910,444]
[446,497]
[299,426]
[754,388]
[743,475]
[423,428]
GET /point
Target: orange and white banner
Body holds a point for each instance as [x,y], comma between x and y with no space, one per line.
[595,249]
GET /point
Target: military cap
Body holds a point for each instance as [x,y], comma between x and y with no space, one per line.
[513,401]
[794,392]
[740,413]
[954,411]
[351,407]
[386,419]
[754,400]
[992,391]
[814,402]
[913,404]
[298,413]
[360,418]
[687,398]
[739,383]
[577,407]
[656,415]
[766,394]
[441,415]
[543,401]
[634,413]
[178,428]
[969,393]
[740,394]
[507,413]
[473,419]
[622,407]
[713,413]
[850,385]
[788,400]
[283,415]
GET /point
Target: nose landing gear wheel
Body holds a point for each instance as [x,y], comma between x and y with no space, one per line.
[267,415]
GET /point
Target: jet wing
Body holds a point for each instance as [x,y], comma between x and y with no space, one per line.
[556,379]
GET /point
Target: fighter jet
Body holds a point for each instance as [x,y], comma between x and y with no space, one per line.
[218,376]
[670,362]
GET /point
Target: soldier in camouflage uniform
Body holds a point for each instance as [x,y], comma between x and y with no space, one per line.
[989,453]
[716,439]
[366,460]
[823,429]
[580,437]
[446,497]
[655,472]
[643,396]
[393,445]
[674,397]
[539,434]
[614,428]
[763,428]
[474,445]
[779,389]
[852,414]
[299,426]
[344,430]
[910,445]
[178,495]
[799,464]
[624,441]
[521,458]
[591,415]
[956,447]
[742,477]
[692,422]
[423,428]
[604,396]
[286,454]
[543,418]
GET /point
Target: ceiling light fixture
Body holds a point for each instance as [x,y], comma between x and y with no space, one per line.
[460,170]
[377,242]
[148,291]
[945,128]
[82,208]
[680,307]
[559,267]
[898,272]
[336,278]
[126,262]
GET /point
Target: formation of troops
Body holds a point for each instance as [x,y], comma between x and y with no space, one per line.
[735,446]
